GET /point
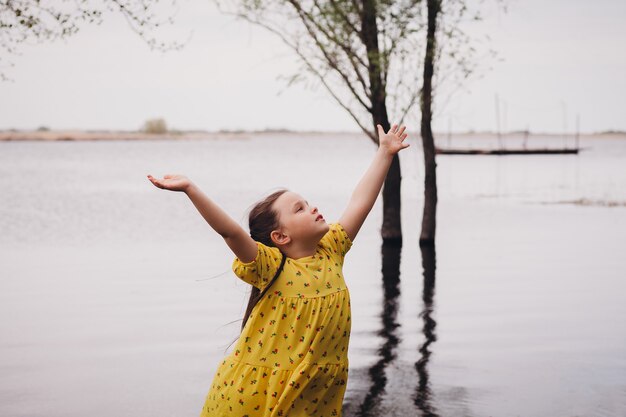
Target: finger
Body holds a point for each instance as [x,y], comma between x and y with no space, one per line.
[380,130]
[401,131]
[394,128]
[168,176]
[404,136]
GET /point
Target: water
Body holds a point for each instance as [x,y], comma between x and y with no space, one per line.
[116,297]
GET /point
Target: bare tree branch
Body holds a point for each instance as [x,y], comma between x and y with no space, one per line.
[332,62]
[311,67]
[33,20]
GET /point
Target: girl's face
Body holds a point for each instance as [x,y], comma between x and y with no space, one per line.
[299,220]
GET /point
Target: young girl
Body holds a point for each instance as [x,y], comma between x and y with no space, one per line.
[292,355]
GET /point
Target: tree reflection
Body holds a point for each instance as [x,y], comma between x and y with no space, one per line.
[391,281]
[423,393]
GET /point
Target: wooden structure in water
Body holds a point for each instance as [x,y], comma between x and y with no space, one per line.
[440,151]
[520,151]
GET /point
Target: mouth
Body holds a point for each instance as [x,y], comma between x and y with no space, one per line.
[319,217]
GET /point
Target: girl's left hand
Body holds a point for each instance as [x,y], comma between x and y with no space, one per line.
[392,141]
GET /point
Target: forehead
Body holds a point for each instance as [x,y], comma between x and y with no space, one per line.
[287,200]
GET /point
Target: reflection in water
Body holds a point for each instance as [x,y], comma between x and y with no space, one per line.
[391,281]
[423,393]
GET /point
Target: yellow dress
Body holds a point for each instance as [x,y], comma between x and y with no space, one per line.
[292,356]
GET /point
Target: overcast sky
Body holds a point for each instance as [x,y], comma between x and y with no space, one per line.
[557,59]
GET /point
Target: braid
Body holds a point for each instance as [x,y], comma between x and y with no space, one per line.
[262,220]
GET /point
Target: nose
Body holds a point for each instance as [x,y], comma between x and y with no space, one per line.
[314,210]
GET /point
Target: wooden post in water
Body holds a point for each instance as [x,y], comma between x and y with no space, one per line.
[577,131]
[449,132]
[526,133]
[505,125]
[564,107]
[498,121]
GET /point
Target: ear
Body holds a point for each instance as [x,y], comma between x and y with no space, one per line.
[279,238]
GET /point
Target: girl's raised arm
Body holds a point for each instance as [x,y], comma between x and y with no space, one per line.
[242,245]
[367,190]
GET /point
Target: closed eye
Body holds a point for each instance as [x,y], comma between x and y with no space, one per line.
[300,206]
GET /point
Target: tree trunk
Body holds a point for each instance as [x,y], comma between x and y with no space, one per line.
[427,236]
[391,230]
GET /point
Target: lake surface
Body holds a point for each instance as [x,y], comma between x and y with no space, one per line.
[116,298]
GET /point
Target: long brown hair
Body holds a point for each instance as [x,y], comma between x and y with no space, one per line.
[263,218]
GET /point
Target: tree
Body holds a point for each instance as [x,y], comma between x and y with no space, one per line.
[427,235]
[34,20]
[366,54]
[155,126]
[363,53]
[446,42]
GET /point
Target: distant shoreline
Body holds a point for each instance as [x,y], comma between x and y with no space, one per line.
[90,135]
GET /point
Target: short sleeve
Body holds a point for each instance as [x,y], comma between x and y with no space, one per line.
[261,270]
[336,240]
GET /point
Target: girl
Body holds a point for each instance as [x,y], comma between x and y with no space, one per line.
[292,355]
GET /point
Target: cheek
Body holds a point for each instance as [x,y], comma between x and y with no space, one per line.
[291,221]
[300,222]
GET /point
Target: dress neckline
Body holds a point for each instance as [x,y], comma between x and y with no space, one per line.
[307,259]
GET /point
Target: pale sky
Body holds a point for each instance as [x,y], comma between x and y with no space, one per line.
[557,59]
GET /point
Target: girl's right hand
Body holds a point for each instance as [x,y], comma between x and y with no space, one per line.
[171,182]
